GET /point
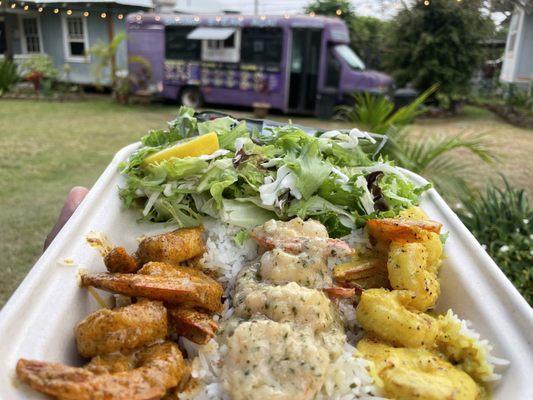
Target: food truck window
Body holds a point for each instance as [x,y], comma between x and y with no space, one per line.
[178,47]
[349,56]
[261,45]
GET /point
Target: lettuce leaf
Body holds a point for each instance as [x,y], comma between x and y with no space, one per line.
[309,168]
[179,168]
[227,129]
[219,176]
[184,125]
[244,214]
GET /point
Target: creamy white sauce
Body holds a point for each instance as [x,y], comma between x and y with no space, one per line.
[285,332]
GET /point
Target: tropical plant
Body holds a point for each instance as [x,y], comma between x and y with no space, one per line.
[8,76]
[38,67]
[377,114]
[431,157]
[438,41]
[140,71]
[428,157]
[502,220]
[105,54]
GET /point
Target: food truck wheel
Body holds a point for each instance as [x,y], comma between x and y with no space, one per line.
[191,97]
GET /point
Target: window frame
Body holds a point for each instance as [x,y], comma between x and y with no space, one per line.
[215,50]
[186,30]
[23,43]
[66,40]
[279,34]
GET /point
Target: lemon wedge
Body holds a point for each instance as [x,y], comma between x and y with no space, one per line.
[198,146]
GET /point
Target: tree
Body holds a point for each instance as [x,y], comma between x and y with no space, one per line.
[438,43]
[341,8]
[367,37]
[366,33]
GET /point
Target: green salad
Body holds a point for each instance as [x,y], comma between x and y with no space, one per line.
[335,177]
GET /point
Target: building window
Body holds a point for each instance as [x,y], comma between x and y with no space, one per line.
[75,36]
[31,38]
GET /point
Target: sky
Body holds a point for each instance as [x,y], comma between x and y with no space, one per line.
[375,8]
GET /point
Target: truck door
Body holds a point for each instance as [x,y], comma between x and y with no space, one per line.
[304,68]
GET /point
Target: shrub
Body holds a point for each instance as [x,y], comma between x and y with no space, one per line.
[41,64]
[502,220]
[39,67]
[438,42]
[8,76]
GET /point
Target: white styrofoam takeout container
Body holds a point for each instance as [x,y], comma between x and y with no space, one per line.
[38,320]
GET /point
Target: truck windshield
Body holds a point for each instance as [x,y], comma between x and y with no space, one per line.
[349,56]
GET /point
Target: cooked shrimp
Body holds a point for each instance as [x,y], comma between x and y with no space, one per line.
[118,260]
[162,282]
[157,368]
[407,373]
[308,269]
[407,266]
[384,231]
[111,363]
[121,329]
[296,236]
[389,229]
[295,228]
[383,313]
[195,325]
[172,247]
[337,292]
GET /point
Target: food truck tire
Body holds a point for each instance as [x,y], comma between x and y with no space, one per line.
[190,96]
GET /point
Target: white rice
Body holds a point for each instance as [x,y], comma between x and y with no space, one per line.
[223,256]
[347,378]
[496,363]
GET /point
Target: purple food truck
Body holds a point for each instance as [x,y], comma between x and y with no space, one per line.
[297,64]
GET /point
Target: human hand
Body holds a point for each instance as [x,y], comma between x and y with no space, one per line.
[74,198]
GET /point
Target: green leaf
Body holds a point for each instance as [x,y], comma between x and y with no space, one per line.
[241,237]
[315,206]
[243,213]
[310,169]
[227,129]
[179,168]
[220,176]
[184,125]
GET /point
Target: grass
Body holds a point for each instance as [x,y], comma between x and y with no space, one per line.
[47,148]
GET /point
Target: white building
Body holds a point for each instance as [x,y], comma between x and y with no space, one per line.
[517,65]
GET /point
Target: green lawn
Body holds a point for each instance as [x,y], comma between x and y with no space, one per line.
[46,148]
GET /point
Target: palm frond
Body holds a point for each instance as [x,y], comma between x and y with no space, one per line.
[404,115]
[431,158]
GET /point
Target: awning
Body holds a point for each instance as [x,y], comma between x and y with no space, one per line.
[206,33]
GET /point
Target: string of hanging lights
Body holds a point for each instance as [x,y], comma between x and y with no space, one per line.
[41,8]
